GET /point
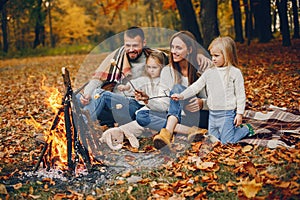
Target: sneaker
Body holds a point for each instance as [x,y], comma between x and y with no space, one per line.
[251,130]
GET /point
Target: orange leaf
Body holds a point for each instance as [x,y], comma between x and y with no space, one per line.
[206,165]
[283,184]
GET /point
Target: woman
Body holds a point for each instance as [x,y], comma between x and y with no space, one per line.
[186,65]
[226,92]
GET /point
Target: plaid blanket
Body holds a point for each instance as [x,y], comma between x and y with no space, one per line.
[274,125]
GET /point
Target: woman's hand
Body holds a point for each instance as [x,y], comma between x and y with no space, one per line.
[141,96]
[85,99]
[238,120]
[195,105]
[176,97]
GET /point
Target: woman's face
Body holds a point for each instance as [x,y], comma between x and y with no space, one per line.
[179,49]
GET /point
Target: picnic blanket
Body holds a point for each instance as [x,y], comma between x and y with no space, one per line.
[274,128]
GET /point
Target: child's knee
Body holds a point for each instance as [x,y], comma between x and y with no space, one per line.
[142,118]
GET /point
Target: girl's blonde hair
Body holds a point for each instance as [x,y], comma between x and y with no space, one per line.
[160,58]
[227,47]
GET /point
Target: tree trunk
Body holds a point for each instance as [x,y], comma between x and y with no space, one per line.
[296,19]
[254,5]
[284,24]
[263,20]
[209,21]
[237,21]
[4,29]
[248,24]
[275,12]
[2,4]
[38,24]
[188,18]
[52,39]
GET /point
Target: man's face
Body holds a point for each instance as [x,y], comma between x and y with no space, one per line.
[133,47]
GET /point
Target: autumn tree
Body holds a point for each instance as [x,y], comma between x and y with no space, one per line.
[262,19]
[209,21]
[188,18]
[39,30]
[4,26]
[238,29]
[284,25]
[71,25]
[295,19]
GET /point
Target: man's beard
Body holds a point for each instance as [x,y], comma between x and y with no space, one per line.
[136,58]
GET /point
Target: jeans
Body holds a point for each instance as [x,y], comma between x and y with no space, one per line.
[111,107]
[157,120]
[221,125]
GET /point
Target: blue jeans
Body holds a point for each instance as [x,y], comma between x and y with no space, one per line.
[157,120]
[221,125]
[111,107]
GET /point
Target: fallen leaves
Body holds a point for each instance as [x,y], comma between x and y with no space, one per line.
[204,172]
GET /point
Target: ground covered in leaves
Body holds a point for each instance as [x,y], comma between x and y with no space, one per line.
[272,77]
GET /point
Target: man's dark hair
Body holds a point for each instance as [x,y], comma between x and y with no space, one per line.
[134,31]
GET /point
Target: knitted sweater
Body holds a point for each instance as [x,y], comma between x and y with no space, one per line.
[152,88]
[225,89]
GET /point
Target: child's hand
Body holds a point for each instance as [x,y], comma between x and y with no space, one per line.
[141,96]
[176,97]
[123,87]
[238,119]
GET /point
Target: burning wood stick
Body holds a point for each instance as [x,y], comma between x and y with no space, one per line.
[71,118]
[67,117]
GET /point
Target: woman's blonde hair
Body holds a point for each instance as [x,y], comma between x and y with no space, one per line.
[227,47]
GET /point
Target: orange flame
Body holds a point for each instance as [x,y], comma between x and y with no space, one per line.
[57,137]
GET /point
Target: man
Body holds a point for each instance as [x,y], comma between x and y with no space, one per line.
[130,59]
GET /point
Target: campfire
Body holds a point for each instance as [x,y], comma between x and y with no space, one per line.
[70,143]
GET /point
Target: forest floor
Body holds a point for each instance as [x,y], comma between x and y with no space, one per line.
[272,77]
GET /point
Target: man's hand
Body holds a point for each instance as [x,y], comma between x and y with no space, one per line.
[85,99]
[195,105]
[141,96]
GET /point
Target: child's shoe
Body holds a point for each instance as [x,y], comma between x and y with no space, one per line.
[196,134]
[162,139]
[250,128]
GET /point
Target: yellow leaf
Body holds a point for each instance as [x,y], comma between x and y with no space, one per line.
[3,189]
[251,188]
[247,148]
[31,190]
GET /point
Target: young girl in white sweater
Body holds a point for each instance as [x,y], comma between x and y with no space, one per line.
[225,90]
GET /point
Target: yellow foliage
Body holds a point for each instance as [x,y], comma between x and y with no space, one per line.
[71,25]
